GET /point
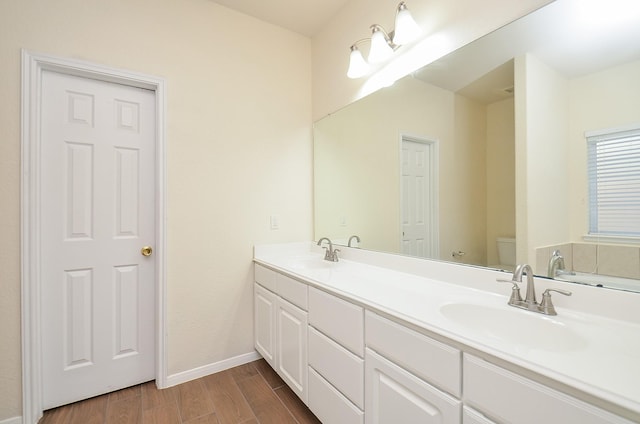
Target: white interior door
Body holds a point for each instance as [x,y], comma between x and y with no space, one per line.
[97,212]
[418,199]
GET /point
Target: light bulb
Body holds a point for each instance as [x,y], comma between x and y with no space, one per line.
[380,48]
[358,67]
[406,29]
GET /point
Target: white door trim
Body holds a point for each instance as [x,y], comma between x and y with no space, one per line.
[32,66]
[435,184]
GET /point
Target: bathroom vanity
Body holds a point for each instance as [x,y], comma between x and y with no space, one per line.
[381,338]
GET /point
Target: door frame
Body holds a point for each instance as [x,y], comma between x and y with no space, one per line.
[434,205]
[32,66]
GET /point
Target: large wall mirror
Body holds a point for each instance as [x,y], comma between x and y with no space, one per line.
[481,157]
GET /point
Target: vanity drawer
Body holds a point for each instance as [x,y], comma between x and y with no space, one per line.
[429,359]
[329,405]
[343,369]
[509,397]
[340,320]
[265,277]
[292,290]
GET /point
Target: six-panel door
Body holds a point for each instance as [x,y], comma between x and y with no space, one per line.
[97,205]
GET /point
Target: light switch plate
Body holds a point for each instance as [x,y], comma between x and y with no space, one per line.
[275,222]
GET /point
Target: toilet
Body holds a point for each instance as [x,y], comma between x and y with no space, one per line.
[506,253]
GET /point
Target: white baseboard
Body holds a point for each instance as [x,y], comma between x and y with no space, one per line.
[184,376]
[14,420]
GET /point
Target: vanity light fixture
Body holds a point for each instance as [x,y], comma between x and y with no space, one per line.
[382,44]
[358,67]
[407,29]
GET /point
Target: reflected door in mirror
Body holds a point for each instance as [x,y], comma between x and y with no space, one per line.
[419,198]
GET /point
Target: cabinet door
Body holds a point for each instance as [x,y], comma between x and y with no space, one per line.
[264,323]
[470,416]
[394,395]
[291,362]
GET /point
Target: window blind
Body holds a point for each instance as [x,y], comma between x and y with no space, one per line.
[614,183]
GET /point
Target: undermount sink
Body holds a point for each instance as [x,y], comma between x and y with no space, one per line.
[510,325]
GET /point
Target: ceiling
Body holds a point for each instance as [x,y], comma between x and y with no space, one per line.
[306,17]
[575,37]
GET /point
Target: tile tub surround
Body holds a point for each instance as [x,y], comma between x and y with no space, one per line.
[591,258]
[413,290]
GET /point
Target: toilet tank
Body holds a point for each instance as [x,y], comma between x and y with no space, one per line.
[506,250]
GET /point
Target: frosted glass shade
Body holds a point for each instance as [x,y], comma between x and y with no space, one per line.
[406,29]
[358,67]
[380,48]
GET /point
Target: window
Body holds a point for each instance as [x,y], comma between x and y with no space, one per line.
[614,182]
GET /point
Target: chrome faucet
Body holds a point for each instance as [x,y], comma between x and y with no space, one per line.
[530,297]
[351,238]
[556,263]
[529,303]
[330,254]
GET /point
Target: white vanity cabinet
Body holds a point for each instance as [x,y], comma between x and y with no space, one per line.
[264,323]
[402,368]
[471,416]
[336,364]
[435,362]
[394,395]
[280,326]
[508,397]
[355,364]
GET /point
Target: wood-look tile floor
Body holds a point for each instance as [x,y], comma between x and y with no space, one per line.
[251,393]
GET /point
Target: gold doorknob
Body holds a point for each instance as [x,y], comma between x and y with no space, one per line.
[146,251]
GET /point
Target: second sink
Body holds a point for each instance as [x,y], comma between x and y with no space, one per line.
[520,328]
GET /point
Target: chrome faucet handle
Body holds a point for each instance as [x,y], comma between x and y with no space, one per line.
[546,306]
[564,292]
[328,255]
[334,258]
[515,290]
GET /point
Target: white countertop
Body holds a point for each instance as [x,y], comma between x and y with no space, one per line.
[598,355]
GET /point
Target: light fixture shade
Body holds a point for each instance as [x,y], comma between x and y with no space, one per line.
[358,67]
[406,29]
[380,48]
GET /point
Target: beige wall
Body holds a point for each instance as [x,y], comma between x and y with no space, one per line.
[553,116]
[357,160]
[542,107]
[501,175]
[446,26]
[238,142]
[606,99]
[357,167]
[463,186]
